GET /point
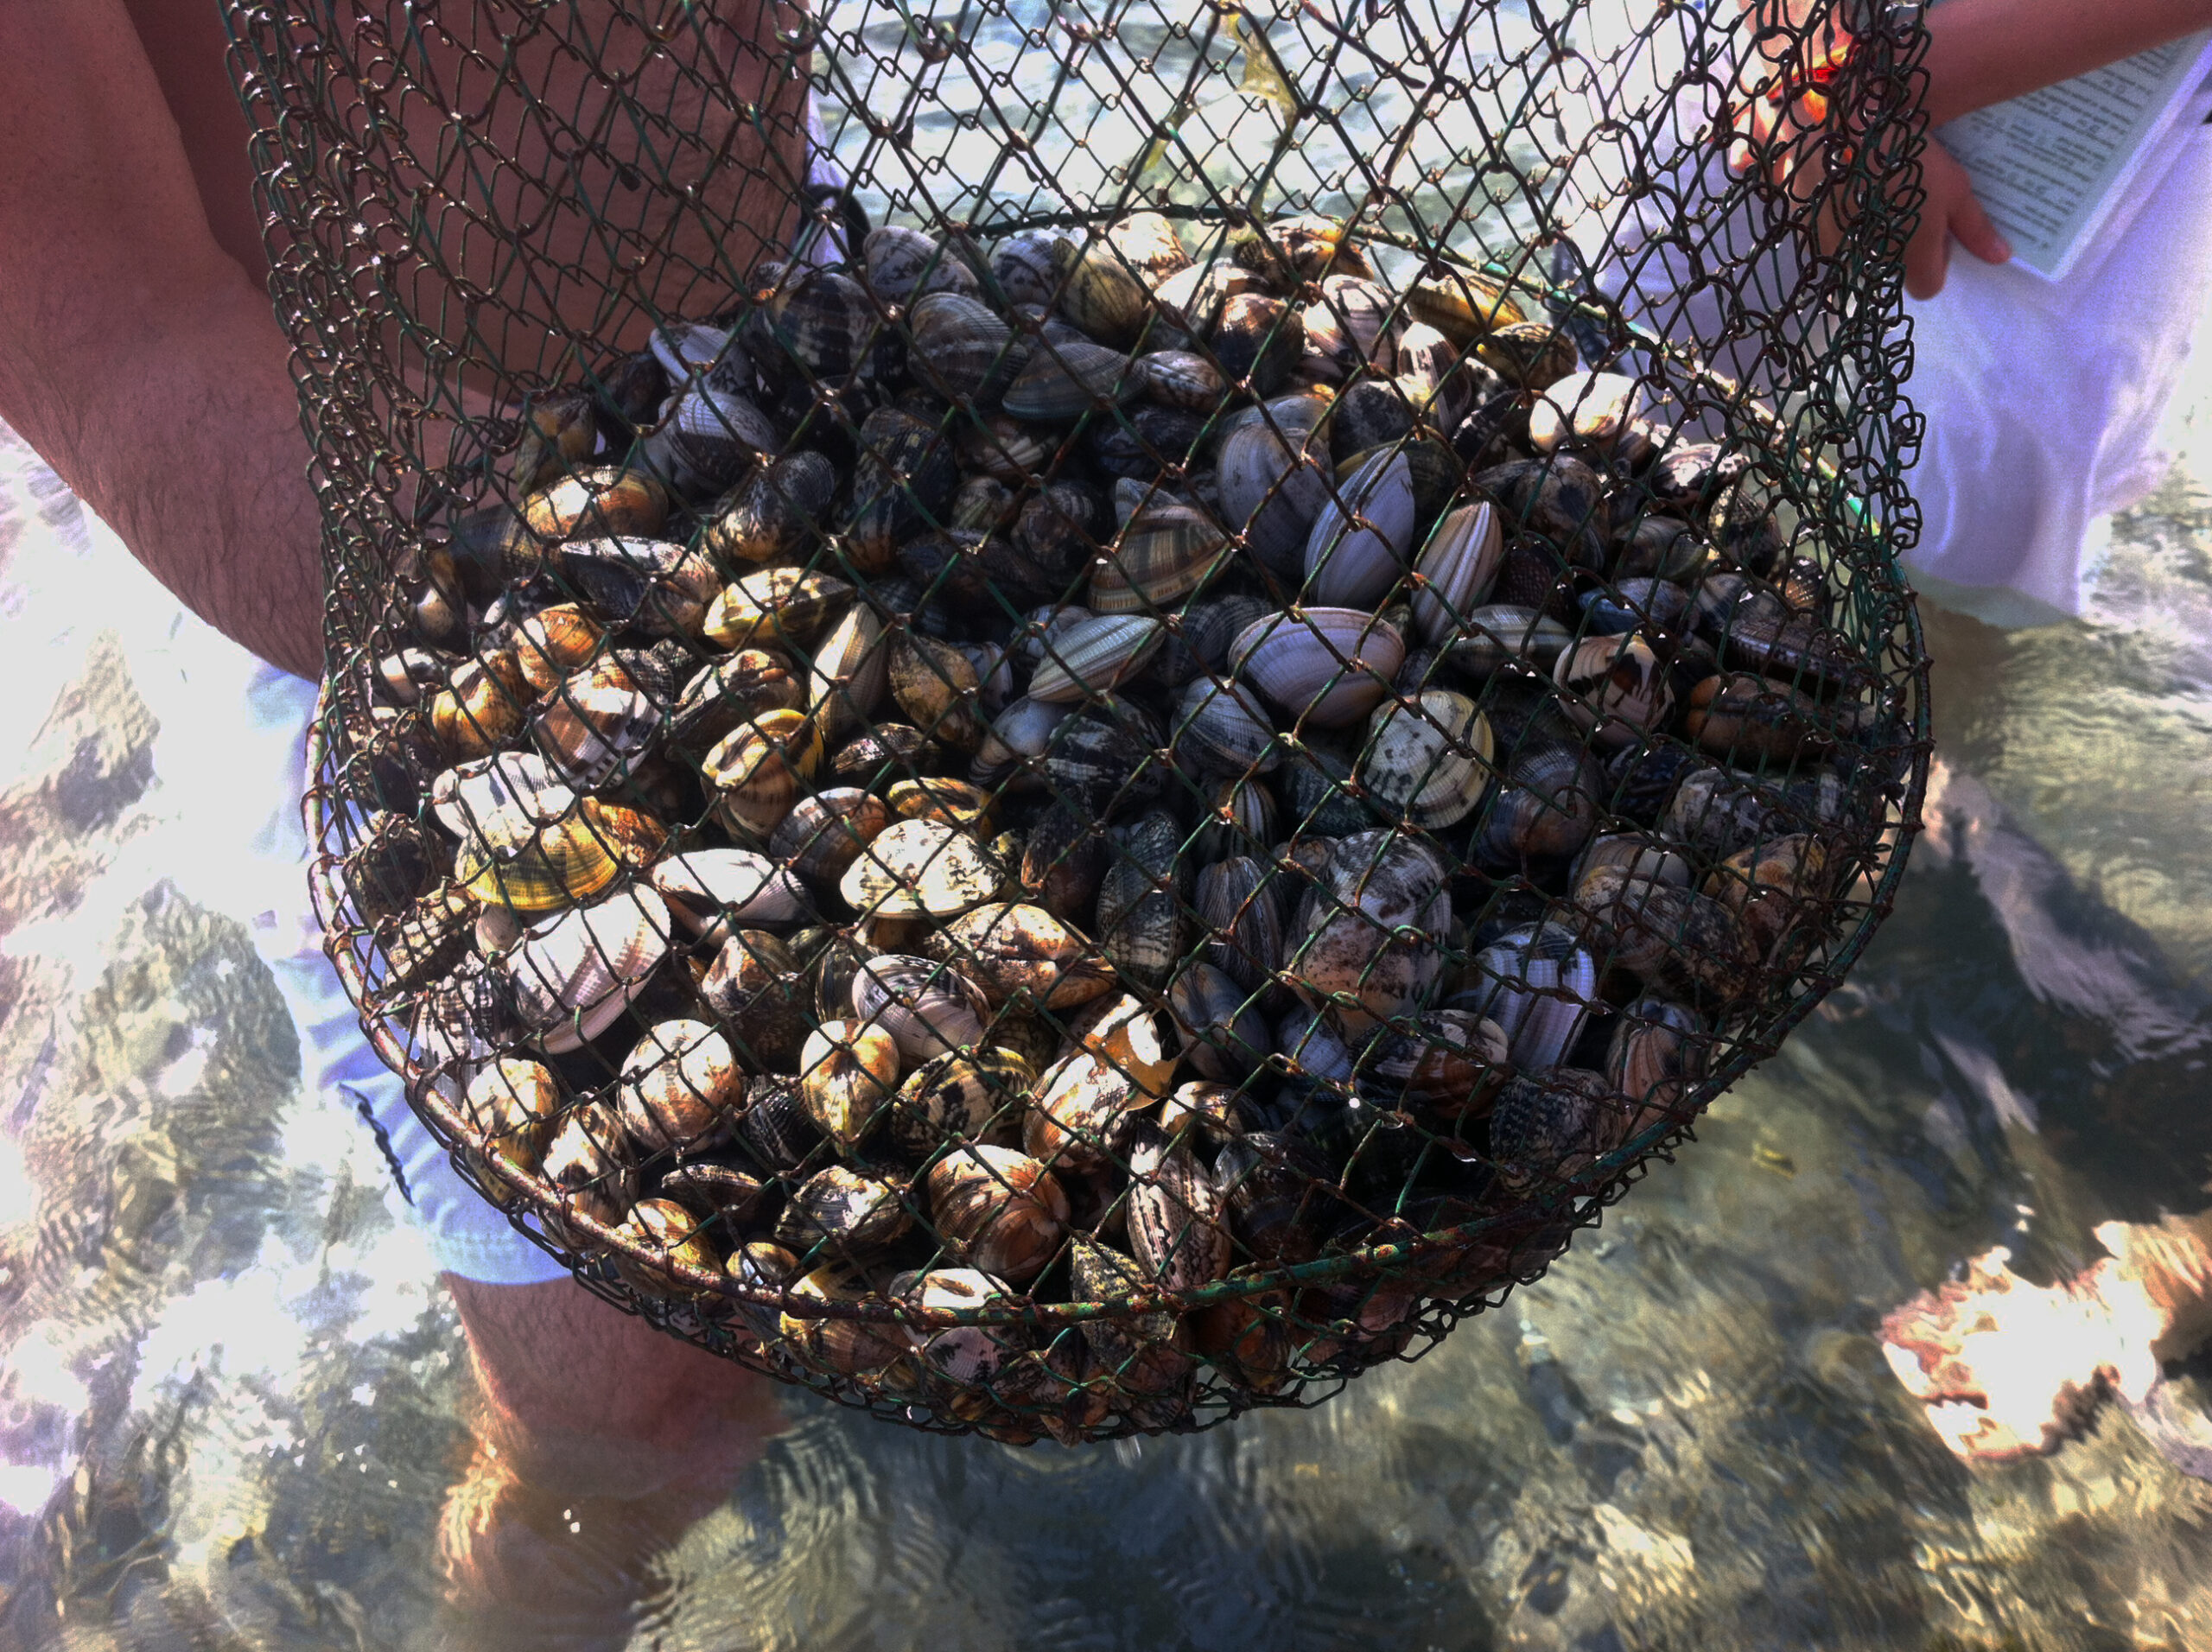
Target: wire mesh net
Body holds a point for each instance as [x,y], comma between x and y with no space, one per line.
[1068,717]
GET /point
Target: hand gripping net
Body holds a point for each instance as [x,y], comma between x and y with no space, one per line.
[1065,717]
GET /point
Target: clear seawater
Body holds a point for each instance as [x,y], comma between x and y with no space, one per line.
[235,1402]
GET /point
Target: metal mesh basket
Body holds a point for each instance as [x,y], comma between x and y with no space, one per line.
[1067,717]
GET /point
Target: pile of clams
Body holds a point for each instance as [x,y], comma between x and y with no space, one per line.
[1127,772]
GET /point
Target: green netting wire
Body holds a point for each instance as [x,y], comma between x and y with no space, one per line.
[1065,717]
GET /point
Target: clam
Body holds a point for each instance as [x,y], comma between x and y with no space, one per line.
[654,585]
[727,691]
[871,1349]
[720,1194]
[757,771]
[1658,1052]
[1455,571]
[1552,1129]
[1103,299]
[1429,760]
[1638,853]
[902,264]
[1179,1235]
[963,348]
[573,979]
[777,1129]
[596,726]
[903,484]
[712,890]
[479,707]
[1023,952]
[1224,1036]
[1450,1061]
[1779,889]
[844,1212]
[1128,1033]
[775,512]
[512,1106]
[1367,936]
[1140,1353]
[1180,378]
[1499,633]
[1275,481]
[546,852]
[1140,905]
[1461,305]
[886,750]
[1325,667]
[1077,1122]
[1351,327]
[1061,382]
[604,499]
[969,1359]
[560,428]
[756,989]
[919,868]
[937,686]
[554,642]
[1616,688]
[427,937]
[848,677]
[1095,656]
[1220,728]
[997,1211]
[928,1008]
[1243,820]
[1753,721]
[1545,804]
[775,608]
[1534,355]
[1538,984]
[1256,340]
[1030,266]
[963,1096]
[679,1086]
[1594,409]
[1162,554]
[1356,548]
[708,436]
[1668,936]
[847,1073]
[949,803]
[1241,907]
[589,1161]
[815,324]
[824,834]
[1147,243]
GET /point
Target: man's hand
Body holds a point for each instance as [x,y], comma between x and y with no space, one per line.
[1950,210]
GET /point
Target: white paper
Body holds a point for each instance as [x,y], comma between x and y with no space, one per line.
[2053,169]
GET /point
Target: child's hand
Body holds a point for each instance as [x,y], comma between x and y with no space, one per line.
[1949,210]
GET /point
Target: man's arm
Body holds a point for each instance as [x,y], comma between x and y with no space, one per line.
[1982,52]
[136,356]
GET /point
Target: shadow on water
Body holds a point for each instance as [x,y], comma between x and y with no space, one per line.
[233,1404]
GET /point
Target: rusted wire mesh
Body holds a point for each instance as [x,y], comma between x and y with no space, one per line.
[1064,718]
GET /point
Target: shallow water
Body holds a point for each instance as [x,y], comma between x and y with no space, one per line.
[234,1400]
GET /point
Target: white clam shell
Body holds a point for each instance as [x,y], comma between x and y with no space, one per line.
[1357,547]
[1538,988]
[846,682]
[1588,406]
[575,976]
[928,1008]
[1457,568]
[710,890]
[1430,759]
[463,798]
[1327,666]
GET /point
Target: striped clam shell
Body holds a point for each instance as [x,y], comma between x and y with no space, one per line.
[707,438]
[1456,570]
[1550,1128]
[1428,760]
[846,682]
[1222,728]
[758,771]
[1534,355]
[1063,381]
[1616,688]
[1163,554]
[902,263]
[1104,297]
[552,850]
[595,725]
[1538,983]
[470,793]
[1659,1049]
[1243,819]
[970,1358]
[821,322]
[1016,742]
[1030,266]
[1179,1230]
[555,642]
[1181,379]
[1639,853]
[775,511]
[1669,937]
[711,892]
[1023,951]
[1241,905]
[1096,655]
[902,485]
[1545,804]
[973,1096]
[731,689]
[574,978]
[1356,548]
[844,1212]
[1583,407]
[963,348]
[1140,911]
[1079,1119]
[1274,479]
[997,1211]
[849,1347]
[1329,667]
[1351,326]
[1225,1037]
[1490,636]
[848,1070]
[775,608]
[825,833]
[679,1085]
[1001,446]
